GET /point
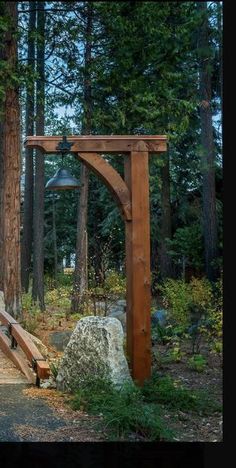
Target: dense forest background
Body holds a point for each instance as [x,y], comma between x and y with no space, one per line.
[71,68]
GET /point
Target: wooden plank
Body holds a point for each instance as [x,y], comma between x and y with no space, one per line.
[6,318]
[138,268]
[112,180]
[27,346]
[16,358]
[100,143]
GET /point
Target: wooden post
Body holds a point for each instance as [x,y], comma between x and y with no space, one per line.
[137,234]
[132,197]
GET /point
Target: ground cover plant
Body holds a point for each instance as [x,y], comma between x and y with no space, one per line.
[132,411]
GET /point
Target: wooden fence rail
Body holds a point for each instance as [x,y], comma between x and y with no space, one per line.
[20,337]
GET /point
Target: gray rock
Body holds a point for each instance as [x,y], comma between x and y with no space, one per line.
[159,317]
[60,339]
[95,350]
[119,315]
[121,303]
[49,383]
[39,344]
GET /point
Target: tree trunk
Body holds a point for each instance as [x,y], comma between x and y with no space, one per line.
[81,270]
[68,260]
[165,231]
[38,255]
[10,172]
[219,26]
[208,150]
[27,238]
[54,234]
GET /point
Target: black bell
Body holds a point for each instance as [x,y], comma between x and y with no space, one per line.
[62,180]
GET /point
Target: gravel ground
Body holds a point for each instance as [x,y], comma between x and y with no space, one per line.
[32,419]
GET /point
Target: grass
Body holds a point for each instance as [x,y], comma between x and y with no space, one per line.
[140,411]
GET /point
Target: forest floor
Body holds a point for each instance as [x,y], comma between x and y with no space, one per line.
[187,425]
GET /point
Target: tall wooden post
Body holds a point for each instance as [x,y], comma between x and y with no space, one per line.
[132,196]
[138,267]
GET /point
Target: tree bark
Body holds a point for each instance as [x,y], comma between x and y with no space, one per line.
[27,238]
[81,270]
[165,228]
[219,26]
[207,150]
[10,172]
[54,234]
[38,254]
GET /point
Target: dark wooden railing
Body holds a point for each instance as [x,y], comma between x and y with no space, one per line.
[18,336]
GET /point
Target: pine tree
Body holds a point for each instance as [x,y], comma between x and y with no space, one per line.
[10,166]
[27,238]
[81,263]
[38,241]
[208,149]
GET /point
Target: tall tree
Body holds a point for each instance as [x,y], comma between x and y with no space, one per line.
[81,264]
[166,224]
[27,238]
[207,145]
[38,224]
[10,166]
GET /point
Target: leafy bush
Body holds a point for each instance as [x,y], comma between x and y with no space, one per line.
[113,289]
[195,307]
[175,354]
[31,313]
[176,298]
[197,363]
[214,330]
[115,283]
[58,297]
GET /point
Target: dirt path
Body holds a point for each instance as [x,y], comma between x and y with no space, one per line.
[27,417]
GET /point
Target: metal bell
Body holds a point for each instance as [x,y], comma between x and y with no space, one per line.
[62,180]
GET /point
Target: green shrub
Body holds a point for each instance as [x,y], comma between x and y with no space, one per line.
[31,313]
[175,354]
[54,366]
[198,305]
[171,394]
[124,411]
[59,297]
[197,363]
[176,298]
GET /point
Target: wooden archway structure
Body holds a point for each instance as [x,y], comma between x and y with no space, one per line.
[132,196]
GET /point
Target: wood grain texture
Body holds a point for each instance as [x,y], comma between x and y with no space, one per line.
[27,346]
[111,179]
[138,267]
[15,356]
[101,143]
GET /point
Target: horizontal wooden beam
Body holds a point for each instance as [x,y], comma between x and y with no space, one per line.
[101,143]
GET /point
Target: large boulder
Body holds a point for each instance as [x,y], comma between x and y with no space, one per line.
[60,339]
[95,350]
[118,311]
